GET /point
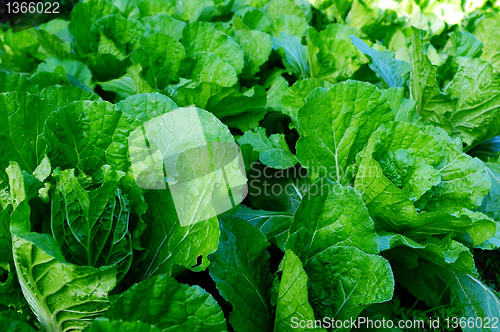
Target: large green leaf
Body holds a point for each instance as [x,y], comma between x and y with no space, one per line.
[21,133]
[345,280]
[92,224]
[204,37]
[88,135]
[160,57]
[181,220]
[11,197]
[240,269]
[63,296]
[329,226]
[293,304]
[335,124]
[386,164]
[331,215]
[172,247]
[168,305]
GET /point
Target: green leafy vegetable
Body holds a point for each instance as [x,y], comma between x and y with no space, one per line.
[168,305]
[240,268]
[250,165]
[336,124]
